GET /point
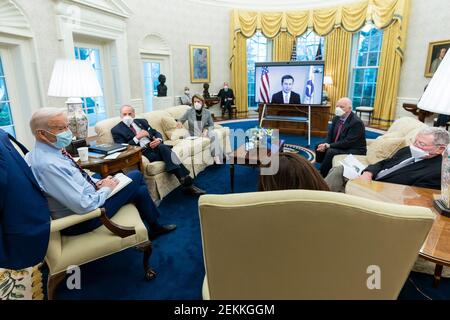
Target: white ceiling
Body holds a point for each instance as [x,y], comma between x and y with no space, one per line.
[273,4]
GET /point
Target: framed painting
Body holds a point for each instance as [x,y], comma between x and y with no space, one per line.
[436,52]
[200,57]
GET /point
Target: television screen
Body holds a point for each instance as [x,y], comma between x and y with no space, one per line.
[289,82]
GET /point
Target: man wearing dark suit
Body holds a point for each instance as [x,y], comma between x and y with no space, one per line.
[25,217]
[346,136]
[139,132]
[418,165]
[286,96]
[226,96]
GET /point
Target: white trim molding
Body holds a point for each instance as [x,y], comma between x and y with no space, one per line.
[102,22]
[13,20]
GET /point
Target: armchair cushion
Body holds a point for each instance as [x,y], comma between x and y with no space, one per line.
[383,148]
[169,126]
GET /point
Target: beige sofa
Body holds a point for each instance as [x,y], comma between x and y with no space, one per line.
[194,154]
[401,134]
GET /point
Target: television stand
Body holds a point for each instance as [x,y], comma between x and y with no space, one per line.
[290,118]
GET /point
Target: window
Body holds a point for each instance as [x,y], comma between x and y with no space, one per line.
[152,70]
[365,62]
[259,49]
[94,107]
[310,47]
[6,120]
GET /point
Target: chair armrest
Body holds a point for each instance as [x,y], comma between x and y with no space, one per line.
[69,221]
[66,222]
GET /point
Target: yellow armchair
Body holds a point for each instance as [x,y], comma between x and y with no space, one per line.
[124,230]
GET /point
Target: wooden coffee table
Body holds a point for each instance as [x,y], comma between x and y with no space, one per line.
[257,157]
[132,156]
[436,247]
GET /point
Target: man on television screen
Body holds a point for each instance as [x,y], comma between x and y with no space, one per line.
[286,96]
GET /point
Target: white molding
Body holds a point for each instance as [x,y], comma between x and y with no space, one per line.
[13,20]
[116,7]
[261,5]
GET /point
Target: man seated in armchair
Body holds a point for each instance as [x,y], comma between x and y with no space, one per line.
[139,132]
[70,190]
[418,165]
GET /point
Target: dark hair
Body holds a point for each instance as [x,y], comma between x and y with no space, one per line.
[295,172]
[288,76]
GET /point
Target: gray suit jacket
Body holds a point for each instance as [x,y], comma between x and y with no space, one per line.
[196,127]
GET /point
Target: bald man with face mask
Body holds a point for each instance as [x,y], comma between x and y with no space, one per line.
[346,136]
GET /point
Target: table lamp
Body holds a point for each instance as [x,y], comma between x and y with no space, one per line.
[436,98]
[74,79]
[327,81]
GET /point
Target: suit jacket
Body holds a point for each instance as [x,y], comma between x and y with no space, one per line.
[224,95]
[123,134]
[191,117]
[24,213]
[278,98]
[425,173]
[353,134]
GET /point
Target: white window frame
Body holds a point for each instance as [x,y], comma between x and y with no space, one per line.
[106,74]
[353,65]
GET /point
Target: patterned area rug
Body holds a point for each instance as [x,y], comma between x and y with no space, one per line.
[305,152]
[23,284]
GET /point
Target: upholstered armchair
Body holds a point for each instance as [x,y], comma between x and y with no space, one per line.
[124,230]
[302,244]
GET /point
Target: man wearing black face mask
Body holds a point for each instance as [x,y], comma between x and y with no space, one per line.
[346,136]
[226,96]
[418,165]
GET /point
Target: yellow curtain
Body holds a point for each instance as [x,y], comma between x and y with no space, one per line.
[239,75]
[282,47]
[351,17]
[337,64]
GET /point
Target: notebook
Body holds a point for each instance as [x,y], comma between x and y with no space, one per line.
[107,148]
[123,182]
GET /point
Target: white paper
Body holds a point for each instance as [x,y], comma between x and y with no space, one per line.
[123,182]
[352,167]
[113,156]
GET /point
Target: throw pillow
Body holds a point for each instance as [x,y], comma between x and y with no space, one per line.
[383,148]
[169,126]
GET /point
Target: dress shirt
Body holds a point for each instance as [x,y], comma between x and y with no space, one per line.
[68,192]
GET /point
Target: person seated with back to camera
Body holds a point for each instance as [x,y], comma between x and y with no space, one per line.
[201,124]
[70,190]
[138,132]
[418,165]
[295,172]
[347,135]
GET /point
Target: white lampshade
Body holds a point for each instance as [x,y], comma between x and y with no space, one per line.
[74,78]
[436,97]
[328,81]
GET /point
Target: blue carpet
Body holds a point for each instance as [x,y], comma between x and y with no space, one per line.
[177,257]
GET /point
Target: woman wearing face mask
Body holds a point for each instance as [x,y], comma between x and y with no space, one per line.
[201,124]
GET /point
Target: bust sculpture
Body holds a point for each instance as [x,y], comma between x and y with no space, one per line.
[206,91]
[162,88]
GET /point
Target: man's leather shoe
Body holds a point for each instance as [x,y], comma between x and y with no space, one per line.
[156,232]
[195,190]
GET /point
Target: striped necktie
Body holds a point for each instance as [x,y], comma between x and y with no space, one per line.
[83,173]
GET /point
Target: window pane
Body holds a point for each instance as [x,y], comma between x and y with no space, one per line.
[370,74]
[3,90]
[5,114]
[256,52]
[357,92]
[359,75]
[368,90]
[94,107]
[156,71]
[308,47]
[373,59]
[362,60]
[1,68]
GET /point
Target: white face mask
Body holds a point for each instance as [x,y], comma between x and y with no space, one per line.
[339,112]
[226,88]
[198,106]
[186,92]
[127,120]
[418,153]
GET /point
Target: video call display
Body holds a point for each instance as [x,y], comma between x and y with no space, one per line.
[289,82]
